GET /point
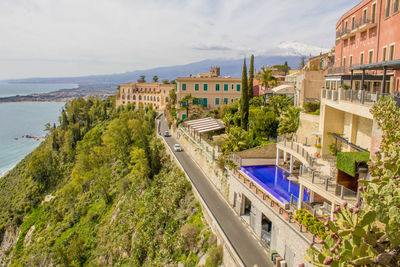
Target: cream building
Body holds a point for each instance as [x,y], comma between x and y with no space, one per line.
[145,93]
[211,90]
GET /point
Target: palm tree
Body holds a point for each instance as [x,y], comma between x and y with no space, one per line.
[237,140]
[155,78]
[266,78]
[187,104]
[142,79]
[290,121]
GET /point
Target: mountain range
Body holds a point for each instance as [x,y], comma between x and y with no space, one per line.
[229,67]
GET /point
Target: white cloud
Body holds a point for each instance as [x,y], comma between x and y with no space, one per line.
[79,37]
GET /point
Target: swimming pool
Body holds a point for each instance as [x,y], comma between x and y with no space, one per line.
[273,179]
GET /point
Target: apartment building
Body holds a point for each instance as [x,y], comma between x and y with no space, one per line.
[144,93]
[210,90]
[311,79]
[367,52]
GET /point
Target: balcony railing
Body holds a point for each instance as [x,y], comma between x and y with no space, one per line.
[355,26]
[356,96]
[299,148]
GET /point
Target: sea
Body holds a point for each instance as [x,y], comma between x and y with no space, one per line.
[19,119]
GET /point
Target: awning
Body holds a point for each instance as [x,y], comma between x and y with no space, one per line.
[389,65]
[284,89]
[204,125]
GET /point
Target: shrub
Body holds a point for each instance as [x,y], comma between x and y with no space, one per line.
[215,256]
[189,233]
[312,224]
[311,107]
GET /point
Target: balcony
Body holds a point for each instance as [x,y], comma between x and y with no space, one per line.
[354,96]
[338,70]
[362,24]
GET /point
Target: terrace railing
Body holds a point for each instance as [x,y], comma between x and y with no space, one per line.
[298,148]
[355,96]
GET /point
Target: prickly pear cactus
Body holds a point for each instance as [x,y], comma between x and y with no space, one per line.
[370,236]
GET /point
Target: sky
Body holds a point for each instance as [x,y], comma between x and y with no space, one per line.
[59,38]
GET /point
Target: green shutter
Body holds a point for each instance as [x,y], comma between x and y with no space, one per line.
[183,116]
[226,100]
[238,87]
[205,87]
[226,87]
[217,87]
[183,86]
[205,102]
[196,87]
[217,101]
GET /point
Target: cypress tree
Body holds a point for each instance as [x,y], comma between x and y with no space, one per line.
[244,102]
[251,77]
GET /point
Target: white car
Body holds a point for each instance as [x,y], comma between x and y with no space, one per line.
[177,148]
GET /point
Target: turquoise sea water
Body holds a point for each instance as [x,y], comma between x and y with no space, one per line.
[24,118]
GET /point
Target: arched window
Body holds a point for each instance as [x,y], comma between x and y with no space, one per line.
[151,98]
[134,97]
[140,97]
[123,90]
[166,99]
[158,99]
[123,96]
[128,97]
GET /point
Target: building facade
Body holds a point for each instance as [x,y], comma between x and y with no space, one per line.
[368,34]
[144,93]
[210,90]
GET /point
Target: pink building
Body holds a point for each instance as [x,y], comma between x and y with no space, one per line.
[367,52]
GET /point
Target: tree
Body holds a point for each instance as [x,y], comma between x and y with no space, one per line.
[370,235]
[279,103]
[251,77]
[155,78]
[165,82]
[187,103]
[290,121]
[142,79]
[244,102]
[237,140]
[267,78]
[285,68]
[302,62]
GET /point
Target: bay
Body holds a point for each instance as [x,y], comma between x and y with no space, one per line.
[12,89]
[19,119]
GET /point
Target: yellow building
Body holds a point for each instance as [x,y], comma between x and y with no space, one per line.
[145,93]
[211,90]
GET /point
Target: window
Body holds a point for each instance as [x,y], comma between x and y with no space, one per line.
[396,6]
[205,87]
[183,86]
[364,19]
[225,100]
[351,62]
[134,97]
[183,116]
[140,97]
[353,23]
[217,87]
[196,87]
[373,13]
[217,101]
[238,87]
[226,87]
[371,57]
[362,58]
[384,53]
[391,52]
[388,5]
[344,62]
[232,86]
[346,25]
[205,102]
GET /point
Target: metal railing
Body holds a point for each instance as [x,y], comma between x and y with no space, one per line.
[298,148]
[357,96]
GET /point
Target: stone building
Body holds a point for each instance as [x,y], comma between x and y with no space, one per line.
[145,93]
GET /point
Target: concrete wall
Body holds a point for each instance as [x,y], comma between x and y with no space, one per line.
[332,121]
[364,132]
[308,124]
[285,239]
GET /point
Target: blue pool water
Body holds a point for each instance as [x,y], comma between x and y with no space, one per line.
[273,179]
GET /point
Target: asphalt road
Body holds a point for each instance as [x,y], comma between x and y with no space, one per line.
[248,249]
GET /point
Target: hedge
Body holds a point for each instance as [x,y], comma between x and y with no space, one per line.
[346,161]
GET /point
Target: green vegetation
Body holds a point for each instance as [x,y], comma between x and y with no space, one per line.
[251,77]
[290,121]
[283,68]
[346,161]
[244,101]
[312,224]
[267,79]
[99,191]
[368,234]
[311,107]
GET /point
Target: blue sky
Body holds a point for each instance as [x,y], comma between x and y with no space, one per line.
[45,38]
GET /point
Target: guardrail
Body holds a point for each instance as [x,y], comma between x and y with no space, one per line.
[357,96]
[299,148]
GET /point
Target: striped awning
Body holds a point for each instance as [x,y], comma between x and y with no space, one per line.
[204,125]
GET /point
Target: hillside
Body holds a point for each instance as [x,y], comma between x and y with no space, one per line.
[229,67]
[100,191]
